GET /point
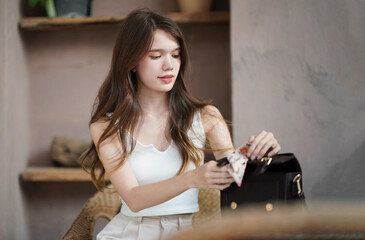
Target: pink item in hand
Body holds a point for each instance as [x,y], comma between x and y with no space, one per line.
[237,166]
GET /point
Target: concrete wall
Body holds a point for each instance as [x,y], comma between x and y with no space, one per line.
[14,134]
[298,71]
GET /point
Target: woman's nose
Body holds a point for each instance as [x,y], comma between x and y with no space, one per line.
[167,65]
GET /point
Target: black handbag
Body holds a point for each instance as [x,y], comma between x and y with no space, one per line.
[270,183]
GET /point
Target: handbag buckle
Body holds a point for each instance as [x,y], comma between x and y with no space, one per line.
[262,165]
[297,179]
[267,160]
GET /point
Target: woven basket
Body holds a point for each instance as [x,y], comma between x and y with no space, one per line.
[104,204]
[209,204]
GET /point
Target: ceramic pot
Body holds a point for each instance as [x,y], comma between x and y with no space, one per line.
[72,8]
[194,6]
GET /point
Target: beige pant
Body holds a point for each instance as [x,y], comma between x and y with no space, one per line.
[144,228]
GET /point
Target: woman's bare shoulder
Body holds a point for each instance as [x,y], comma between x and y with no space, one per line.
[97,128]
[210,116]
[210,112]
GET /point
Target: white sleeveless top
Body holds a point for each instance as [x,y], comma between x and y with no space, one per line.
[151,165]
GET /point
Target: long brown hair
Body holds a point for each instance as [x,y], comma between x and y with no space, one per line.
[118,94]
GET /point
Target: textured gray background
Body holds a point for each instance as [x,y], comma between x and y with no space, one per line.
[298,70]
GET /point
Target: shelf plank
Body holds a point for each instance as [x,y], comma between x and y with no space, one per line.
[69,23]
[54,174]
[203,17]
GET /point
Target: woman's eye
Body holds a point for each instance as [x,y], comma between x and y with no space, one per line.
[155,57]
[176,55]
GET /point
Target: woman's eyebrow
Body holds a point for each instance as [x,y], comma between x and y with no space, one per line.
[162,50]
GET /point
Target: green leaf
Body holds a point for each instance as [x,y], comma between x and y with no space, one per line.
[50,8]
[32,3]
[42,3]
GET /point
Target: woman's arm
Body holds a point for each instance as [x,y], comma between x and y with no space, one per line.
[218,136]
[217,132]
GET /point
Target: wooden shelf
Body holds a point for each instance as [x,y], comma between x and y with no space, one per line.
[204,17]
[66,23]
[55,174]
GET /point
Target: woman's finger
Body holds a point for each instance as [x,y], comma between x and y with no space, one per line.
[274,151]
[216,175]
[222,181]
[260,143]
[269,142]
[264,150]
[222,186]
[254,144]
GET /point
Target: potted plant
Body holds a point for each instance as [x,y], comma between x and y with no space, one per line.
[48,5]
[63,8]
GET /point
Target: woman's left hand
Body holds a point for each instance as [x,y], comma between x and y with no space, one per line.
[264,144]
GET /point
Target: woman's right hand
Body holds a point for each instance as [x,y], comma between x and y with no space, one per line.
[210,176]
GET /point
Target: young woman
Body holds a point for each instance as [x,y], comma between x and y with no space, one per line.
[149,133]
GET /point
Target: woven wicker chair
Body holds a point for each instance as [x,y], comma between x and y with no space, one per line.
[107,204]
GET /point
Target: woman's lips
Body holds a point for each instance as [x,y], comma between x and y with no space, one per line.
[166,78]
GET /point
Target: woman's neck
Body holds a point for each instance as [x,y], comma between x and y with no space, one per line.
[153,103]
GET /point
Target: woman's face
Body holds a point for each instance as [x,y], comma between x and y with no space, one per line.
[158,70]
